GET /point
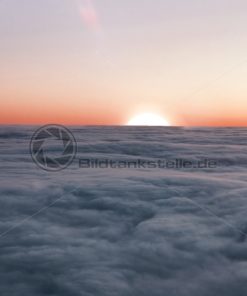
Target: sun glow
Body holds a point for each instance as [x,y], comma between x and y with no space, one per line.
[148,119]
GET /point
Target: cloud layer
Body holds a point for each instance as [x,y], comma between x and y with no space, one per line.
[125,232]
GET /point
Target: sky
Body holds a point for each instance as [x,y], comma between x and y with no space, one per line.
[102,62]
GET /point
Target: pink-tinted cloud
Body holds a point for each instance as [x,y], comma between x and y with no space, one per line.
[89,15]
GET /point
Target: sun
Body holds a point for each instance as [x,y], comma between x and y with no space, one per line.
[148,119]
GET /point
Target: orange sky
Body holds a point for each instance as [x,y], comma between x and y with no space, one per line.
[87,63]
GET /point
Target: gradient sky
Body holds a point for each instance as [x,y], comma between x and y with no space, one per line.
[102,62]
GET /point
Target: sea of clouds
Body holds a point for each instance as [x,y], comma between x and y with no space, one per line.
[153,232]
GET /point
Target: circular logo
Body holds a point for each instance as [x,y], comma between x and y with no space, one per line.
[53,147]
